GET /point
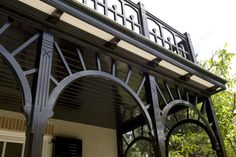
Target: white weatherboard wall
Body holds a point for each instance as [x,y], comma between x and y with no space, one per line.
[97,141]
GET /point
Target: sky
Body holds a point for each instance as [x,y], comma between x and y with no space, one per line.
[210,23]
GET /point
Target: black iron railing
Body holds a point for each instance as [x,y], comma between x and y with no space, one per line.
[136,18]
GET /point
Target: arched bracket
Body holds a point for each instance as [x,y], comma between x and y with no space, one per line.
[135,141]
[21,79]
[175,103]
[204,124]
[58,90]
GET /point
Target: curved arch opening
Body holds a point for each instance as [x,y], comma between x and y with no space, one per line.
[19,58]
[140,147]
[100,103]
[182,105]
[189,138]
[96,101]
[102,75]
[188,132]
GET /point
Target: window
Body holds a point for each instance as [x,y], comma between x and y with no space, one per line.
[11,149]
[12,144]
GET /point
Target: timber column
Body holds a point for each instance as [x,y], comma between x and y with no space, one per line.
[152,98]
[153,101]
[220,149]
[37,121]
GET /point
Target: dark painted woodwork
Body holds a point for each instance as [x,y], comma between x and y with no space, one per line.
[126,92]
[153,100]
[220,149]
[40,111]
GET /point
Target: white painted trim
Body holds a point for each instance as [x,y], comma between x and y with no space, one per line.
[3,149]
[172,67]
[19,137]
[37,4]
[127,46]
[7,136]
[86,27]
[69,19]
[201,81]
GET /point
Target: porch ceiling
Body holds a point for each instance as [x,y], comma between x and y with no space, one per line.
[196,77]
[90,101]
[94,101]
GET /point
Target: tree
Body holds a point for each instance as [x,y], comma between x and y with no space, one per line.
[190,140]
[224,102]
[185,141]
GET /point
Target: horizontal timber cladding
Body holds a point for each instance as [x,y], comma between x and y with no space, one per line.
[19,125]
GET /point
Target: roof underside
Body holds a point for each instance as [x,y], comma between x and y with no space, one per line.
[92,101]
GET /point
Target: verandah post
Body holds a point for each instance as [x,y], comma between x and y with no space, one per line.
[190,48]
[152,97]
[215,127]
[37,121]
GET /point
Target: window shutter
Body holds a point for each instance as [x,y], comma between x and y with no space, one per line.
[67,147]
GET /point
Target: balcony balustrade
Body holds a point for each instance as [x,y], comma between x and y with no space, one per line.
[136,18]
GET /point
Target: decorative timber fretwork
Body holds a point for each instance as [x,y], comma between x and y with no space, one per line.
[178,106]
[53,74]
[137,140]
[19,125]
[49,82]
[136,18]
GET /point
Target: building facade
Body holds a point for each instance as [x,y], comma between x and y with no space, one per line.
[98,78]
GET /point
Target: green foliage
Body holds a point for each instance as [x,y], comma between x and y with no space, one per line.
[187,142]
[190,140]
[140,148]
[224,102]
